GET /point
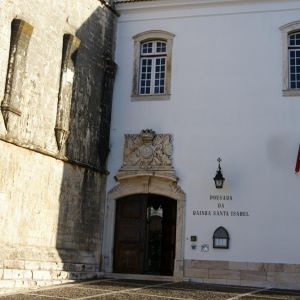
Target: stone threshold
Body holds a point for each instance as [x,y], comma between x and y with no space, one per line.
[140,277]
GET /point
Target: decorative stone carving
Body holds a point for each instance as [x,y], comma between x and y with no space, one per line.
[148,151]
[109,70]
[176,188]
[116,189]
[21,32]
[70,47]
[110,67]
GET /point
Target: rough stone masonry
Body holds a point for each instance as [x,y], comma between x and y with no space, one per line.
[56,80]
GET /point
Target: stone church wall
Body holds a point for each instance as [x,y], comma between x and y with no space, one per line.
[56,77]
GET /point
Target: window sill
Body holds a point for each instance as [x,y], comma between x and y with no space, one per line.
[150,97]
[291,92]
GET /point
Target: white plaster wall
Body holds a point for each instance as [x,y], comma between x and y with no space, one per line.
[226,101]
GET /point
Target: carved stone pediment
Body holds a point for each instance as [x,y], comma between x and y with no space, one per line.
[147,166]
[148,151]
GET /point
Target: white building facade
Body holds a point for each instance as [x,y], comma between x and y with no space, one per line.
[210,79]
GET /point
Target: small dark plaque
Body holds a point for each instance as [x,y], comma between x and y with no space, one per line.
[193,238]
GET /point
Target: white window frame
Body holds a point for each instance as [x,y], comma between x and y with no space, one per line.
[152,57]
[152,36]
[286,30]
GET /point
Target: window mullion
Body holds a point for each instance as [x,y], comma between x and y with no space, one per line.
[140,76]
[289,62]
[153,74]
[154,48]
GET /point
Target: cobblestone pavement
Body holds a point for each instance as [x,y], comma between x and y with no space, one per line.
[112,289]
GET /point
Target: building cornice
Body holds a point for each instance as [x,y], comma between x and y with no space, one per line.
[127,5]
[183,9]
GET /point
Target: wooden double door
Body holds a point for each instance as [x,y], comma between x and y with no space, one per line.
[145,235]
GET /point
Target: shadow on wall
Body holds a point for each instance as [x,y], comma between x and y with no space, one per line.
[82,195]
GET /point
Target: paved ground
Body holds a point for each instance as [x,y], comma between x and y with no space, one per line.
[112,289]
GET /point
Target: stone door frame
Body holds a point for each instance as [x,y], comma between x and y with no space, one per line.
[144,183]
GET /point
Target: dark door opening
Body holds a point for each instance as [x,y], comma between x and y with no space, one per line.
[145,232]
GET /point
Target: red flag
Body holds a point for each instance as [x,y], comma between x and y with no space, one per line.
[297,168]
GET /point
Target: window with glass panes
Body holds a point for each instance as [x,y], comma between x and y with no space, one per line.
[152,77]
[294,60]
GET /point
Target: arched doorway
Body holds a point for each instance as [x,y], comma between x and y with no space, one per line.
[144,183]
[145,235]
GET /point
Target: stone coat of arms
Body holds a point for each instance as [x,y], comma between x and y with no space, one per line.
[148,151]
